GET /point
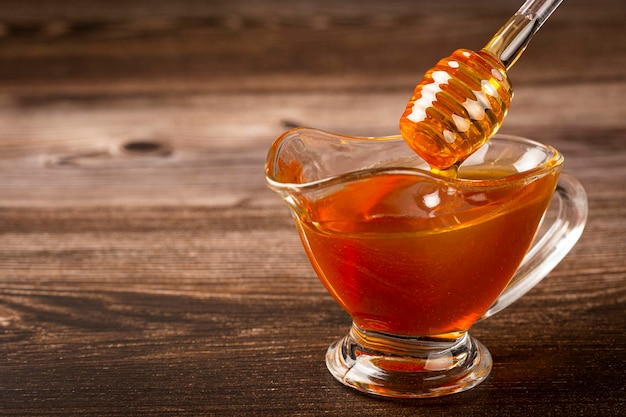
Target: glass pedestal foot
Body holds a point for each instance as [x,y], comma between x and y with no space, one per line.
[408,367]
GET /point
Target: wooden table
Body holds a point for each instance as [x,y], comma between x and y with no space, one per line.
[145,268]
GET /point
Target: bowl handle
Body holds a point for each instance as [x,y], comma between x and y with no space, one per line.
[552,247]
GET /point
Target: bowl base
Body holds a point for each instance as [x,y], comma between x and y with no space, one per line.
[408,367]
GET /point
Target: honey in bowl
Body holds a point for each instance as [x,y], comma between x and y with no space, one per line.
[408,255]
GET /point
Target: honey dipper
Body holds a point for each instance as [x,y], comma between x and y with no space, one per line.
[461,102]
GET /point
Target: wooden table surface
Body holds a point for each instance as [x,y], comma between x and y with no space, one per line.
[146,269]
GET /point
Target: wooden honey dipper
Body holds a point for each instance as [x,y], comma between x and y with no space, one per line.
[461,102]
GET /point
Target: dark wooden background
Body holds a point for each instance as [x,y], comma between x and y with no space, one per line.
[145,269]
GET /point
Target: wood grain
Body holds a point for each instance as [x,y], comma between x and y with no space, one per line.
[146,269]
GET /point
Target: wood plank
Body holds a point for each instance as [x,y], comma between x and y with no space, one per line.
[145,43]
[210,149]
